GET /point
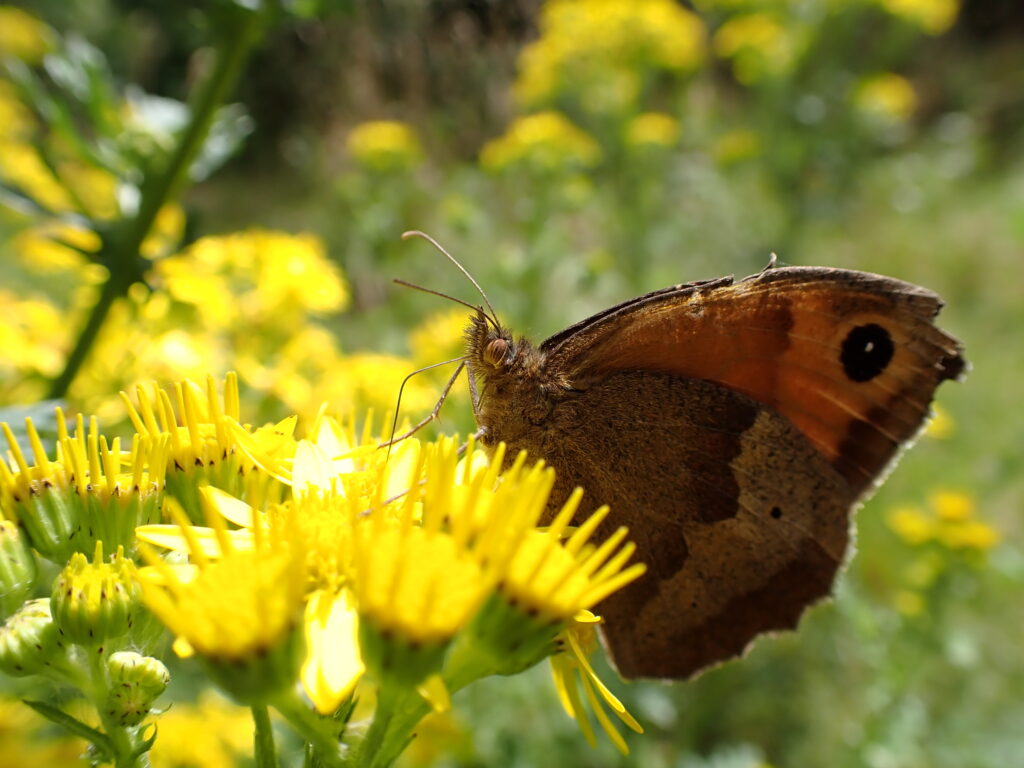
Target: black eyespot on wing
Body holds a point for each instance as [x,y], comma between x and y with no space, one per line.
[866,352]
[776,513]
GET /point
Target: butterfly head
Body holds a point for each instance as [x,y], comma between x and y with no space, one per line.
[490,348]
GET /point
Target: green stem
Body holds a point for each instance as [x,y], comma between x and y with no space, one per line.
[123,247]
[312,728]
[113,289]
[263,739]
[124,747]
[370,752]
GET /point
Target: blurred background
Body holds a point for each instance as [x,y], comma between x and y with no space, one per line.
[195,187]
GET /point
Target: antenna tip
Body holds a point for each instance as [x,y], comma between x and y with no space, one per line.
[412,233]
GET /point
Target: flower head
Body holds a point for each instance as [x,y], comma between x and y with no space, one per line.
[385,145]
[91,492]
[240,613]
[932,16]
[93,602]
[886,96]
[542,142]
[601,52]
[652,129]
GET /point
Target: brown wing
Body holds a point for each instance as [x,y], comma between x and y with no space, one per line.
[741,522]
[851,359]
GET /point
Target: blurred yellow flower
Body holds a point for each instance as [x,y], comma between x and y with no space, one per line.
[439,337]
[932,16]
[971,534]
[23,36]
[15,119]
[385,145]
[56,246]
[601,51]
[543,142]
[912,525]
[259,276]
[33,334]
[952,506]
[26,738]
[21,166]
[758,44]
[948,521]
[886,95]
[211,733]
[652,129]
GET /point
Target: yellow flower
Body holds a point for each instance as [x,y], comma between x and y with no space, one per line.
[952,506]
[334,480]
[211,733]
[33,334]
[56,246]
[570,667]
[21,166]
[414,583]
[202,431]
[259,276]
[653,129]
[912,525]
[758,45]
[23,36]
[385,145]
[15,118]
[92,492]
[948,521]
[334,663]
[439,337]
[887,95]
[601,51]
[932,16]
[972,534]
[22,740]
[240,612]
[543,142]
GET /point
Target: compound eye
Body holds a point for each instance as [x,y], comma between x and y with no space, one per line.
[495,352]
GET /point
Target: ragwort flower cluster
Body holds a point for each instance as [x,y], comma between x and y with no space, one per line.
[297,572]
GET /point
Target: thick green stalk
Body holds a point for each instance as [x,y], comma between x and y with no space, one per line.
[263,739]
[125,241]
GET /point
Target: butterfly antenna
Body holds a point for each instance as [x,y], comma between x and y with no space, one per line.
[407,284]
[462,269]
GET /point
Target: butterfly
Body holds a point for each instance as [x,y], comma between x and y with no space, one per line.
[733,427]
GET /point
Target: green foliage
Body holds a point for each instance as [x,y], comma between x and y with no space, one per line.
[859,134]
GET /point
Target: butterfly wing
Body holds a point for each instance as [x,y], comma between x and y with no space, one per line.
[850,358]
[732,427]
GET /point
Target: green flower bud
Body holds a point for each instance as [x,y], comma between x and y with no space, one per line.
[29,640]
[135,683]
[93,602]
[17,569]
